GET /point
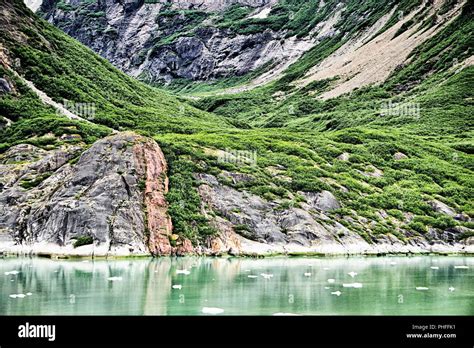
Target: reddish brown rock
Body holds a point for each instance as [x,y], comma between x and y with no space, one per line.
[151,164]
[185,247]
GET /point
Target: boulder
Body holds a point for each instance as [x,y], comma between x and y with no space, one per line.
[343,157]
[324,200]
[442,208]
[399,156]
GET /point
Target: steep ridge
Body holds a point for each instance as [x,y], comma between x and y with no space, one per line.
[251,44]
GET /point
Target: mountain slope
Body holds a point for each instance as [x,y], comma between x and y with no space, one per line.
[198,45]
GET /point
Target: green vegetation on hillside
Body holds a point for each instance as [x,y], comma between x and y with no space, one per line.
[290,129]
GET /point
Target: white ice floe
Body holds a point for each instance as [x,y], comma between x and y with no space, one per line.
[212,310]
[252,276]
[451,289]
[17,295]
[113,279]
[247,270]
[461,267]
[307,274]
[326,269]
[266,276]
[29,294]
[434,267]
[178,286]
[337,293]
[421,288]
[331,280]
[393,263]
[284,314]
[12,272]
[182,271]
[352,274]
[327,287]
[352,285]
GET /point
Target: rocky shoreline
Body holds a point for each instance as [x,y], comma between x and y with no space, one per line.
[248,249]
[109,200]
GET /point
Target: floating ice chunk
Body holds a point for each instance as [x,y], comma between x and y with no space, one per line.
[421,288]
[12,280]
[327,287]
[352,285]
[12,272]
[29,294]
[247,270]
[451,289]
[461,267]
[212,310]
[352,274]
[182,271]
[284,314]
[113,279]
[434,267]
[17,295]
[266,276]
[252,276]
[337,293]
[331,280]
[307,274]
[177,286]
[393,263]
[326,269]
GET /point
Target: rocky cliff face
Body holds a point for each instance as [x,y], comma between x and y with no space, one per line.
[109,197]
[171,41]
[138,36]
[249,224]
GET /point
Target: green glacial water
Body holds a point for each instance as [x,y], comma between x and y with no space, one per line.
[239,286]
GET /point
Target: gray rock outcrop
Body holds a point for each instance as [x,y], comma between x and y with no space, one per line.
[113,195]
[5,87]
[442,208]
[324,200]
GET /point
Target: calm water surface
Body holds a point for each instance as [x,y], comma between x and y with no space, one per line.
[384,285]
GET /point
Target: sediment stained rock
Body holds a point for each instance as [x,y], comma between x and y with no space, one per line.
[151,165]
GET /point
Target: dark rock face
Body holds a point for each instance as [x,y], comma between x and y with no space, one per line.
[154,43]
[47,201]
[4,86]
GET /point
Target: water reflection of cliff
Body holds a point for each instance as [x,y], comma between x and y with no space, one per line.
[144,287]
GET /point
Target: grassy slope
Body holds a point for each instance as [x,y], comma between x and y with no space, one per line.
[307,143]
[65,69]
[306,135]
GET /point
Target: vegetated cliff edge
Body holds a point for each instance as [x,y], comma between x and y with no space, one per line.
[109,200]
